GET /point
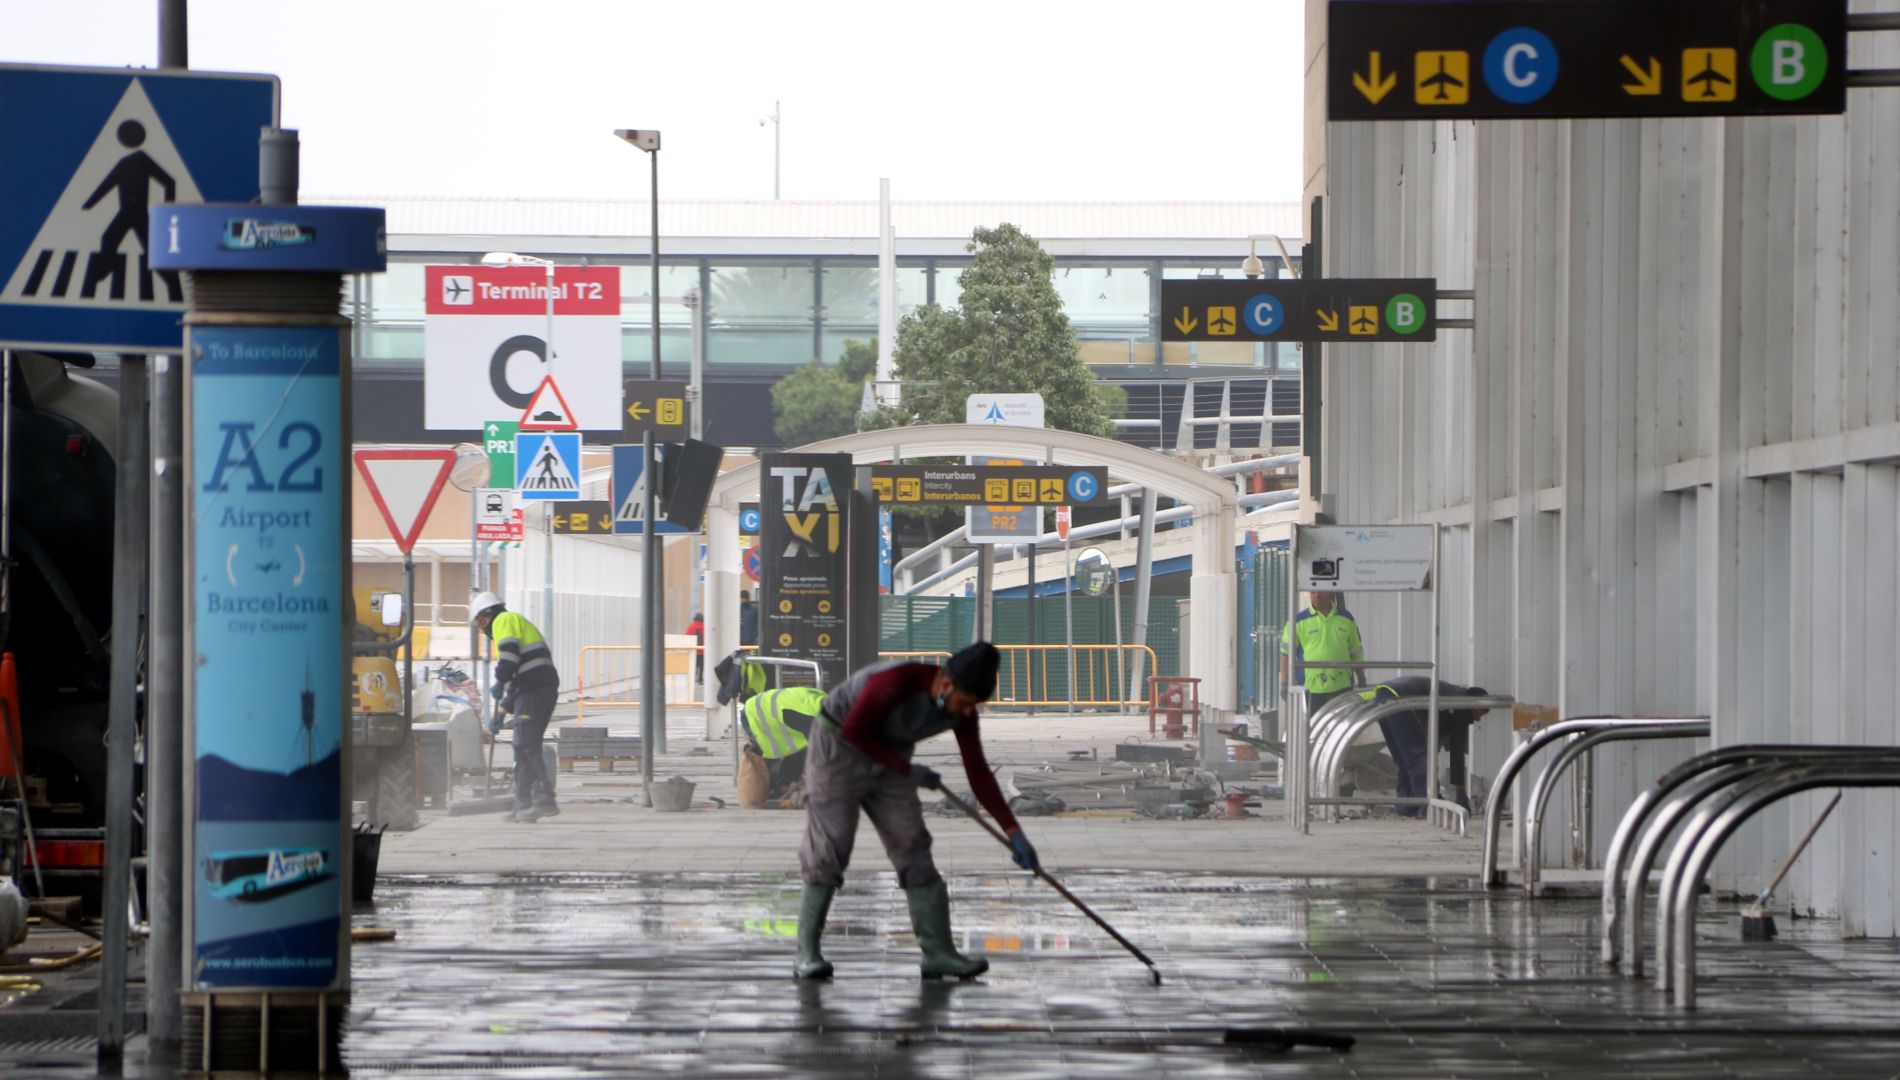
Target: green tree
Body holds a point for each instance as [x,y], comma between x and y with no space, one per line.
[1008,334]
[820,400]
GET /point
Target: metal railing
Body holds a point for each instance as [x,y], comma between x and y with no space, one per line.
[1579,746]
[1042,676]
[1337,729]
[1716,792]
[1520,757]
[610,679]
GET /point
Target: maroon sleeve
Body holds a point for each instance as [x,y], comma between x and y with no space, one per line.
[880,695]
[982,782]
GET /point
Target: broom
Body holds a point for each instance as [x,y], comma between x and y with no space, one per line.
[1758,923]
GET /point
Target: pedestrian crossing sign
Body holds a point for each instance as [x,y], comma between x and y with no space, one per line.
[90,153]
[630,493]
[548,465]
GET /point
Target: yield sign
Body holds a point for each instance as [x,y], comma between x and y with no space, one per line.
[405,484]
[547,410]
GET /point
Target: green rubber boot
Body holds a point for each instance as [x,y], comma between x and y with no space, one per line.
[930,919]
[813,905]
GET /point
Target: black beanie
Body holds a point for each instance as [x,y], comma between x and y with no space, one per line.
[973,670]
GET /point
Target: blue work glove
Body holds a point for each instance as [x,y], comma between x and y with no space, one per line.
[1025,851]
[494,691]
[926,777]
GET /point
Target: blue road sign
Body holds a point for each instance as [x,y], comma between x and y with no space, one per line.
[629,494]
[548,465]
[1082,487]
[1264,314]
[750,520]
[89,152]
[1520,65]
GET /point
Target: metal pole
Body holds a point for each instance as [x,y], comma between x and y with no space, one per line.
[409,646]
[1121,658]
[1032,653]
[130,530]
[778,125]
[474,586]
[547,568]
[1431,721]
[1068,615]
[1293,782]
[696,377]
[164,727]
[1144,576]
[653,634]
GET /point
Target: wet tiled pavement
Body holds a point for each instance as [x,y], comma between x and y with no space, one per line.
[689,975]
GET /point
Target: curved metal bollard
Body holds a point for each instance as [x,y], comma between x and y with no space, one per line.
[1507,775]
[1770,789]
[1634,841]
[1331,756]
[1580,745]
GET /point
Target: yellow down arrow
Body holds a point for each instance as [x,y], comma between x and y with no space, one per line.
[1186,322]
[1371,85]
[1328,321]
[1648,83]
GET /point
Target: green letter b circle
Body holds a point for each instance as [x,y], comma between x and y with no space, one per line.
[1404,313]
[1789,62]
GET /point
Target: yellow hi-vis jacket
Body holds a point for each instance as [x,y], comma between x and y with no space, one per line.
[765,719]
[1322,638]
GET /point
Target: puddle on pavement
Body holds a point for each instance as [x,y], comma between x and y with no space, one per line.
[690,975]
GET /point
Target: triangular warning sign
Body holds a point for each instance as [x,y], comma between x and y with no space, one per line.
[547,410]
[405,484]
[92,250]
[548,471]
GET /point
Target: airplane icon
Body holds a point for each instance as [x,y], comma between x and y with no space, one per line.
[458,290]
[1442,82]
[1364,320]
[270,567]
[1712,82]
[1220,321]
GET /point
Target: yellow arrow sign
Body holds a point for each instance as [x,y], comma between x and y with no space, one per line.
[1328,321]
[1371,85]
[1186,322]
[638,410]
[1648,83]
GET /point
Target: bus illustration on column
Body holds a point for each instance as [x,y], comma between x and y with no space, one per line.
[265,875]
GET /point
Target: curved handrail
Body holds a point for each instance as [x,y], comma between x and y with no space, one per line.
[1663,822]
[1346,734]
[1580,745]
[1632,829]
[1507,775]
[1771,789]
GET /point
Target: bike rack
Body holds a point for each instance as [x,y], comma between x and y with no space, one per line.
[1634,846]
[1690,861]
[1340,736]
[1580,745]
[1520,757]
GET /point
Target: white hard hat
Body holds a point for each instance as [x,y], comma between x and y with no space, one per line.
[484,604]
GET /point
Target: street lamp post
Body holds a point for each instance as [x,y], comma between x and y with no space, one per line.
[652,636]
[509,258]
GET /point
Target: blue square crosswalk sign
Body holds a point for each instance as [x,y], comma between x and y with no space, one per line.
[548,465]
[89,152]
[629,493]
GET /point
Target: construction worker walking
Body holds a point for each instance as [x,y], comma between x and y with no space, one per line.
[526,684]
[859,759]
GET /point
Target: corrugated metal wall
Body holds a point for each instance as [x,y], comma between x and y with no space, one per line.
[1666,456]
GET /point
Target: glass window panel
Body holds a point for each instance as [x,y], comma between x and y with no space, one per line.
[1122,352]
[836,336]
[949,288]
[760,314]
[1226,353]
[1102,300]
[636,291]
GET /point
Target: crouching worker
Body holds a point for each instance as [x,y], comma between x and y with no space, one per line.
[1406,735]
[778,725]
[859,759]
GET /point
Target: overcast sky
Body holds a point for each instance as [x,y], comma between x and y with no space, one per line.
[970,100]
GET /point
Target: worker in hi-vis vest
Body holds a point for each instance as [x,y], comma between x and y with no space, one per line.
[525,684]
[778,724]
[1324,631]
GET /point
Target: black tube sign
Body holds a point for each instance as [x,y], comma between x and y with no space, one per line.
[804,556]
[1516,59]
[1295,309]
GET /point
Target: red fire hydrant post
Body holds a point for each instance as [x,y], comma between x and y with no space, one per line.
[1172,699]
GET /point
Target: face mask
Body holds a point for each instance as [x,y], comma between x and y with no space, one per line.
[943,701]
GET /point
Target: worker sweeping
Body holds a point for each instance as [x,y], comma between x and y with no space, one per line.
[859,758]
[526,684]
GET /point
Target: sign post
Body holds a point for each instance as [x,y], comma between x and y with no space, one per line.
[1068,597]
[804,558]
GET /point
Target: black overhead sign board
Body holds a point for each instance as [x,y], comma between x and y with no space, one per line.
[1512,59]
[1296,309]
[989,485]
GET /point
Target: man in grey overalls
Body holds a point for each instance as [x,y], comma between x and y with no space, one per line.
[859,759]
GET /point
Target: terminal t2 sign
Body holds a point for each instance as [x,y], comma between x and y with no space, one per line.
[1294,309]
[1512,59]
